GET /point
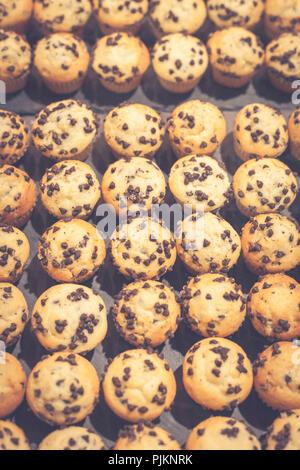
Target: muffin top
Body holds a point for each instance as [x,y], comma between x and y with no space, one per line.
[62,15]
[226,13]
[172,16]
[72,438]
[145,436]
[14,136]
[294,126]
[14,313]
[12,384]
[261,130]
[61,56]
[14,12]
[134,130]
[12,437]
[64,128]
[283,56]
[14,253]
[120,13]
[284,432]
[15,55]
[120,57]
[283,15]
[235,51]
[179,57]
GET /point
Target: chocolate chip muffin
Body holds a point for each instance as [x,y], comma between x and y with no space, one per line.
[61,15]
[294,133]
[130,183]
[120,61]
[244,13]
[71,250]
[12,385]
[235,54]
[134,130]
[146,313]
[228,376]
[142,249]
[14,253]
[120,15]
[72,438]
[284,432]
[12,437]
[282,60]
[200,181]
[276,376]
[69,317]
[63,389]
[14,137]
[65,130]
[139,385]
[274,306]
[282,16]
[196,127]
[179,61]
[222,433]
[171,16]
[207,243]
[15,60]
[17,196]
[213,305]
[62,61]
[259,131]
[264,185]
[271,243]
[145,436]
[70,188]
[15,15]
[14,313]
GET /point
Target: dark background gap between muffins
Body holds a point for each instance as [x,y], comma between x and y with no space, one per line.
[184,414]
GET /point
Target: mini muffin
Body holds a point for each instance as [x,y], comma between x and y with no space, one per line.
[12,437]
[271,243]
[69,317]
[222,433]
[145,436]
[120,15]
[70,188]
[14,137]
[142,249]
[120,61]
[226,13]
[130,183]
[139,385]
[72,438]
[172,16]
[12,385]
[15,15]
[235,56]
[264,185]
[196,127]
[146,313]
[294,133]
[65,130]
[276,376]
[179,61]
[213,305]
[282,60]
[63,389]
[274,306]
[282,16]
[228,377]
[14,253]
[17,196]
[15,61]
[61,15]
[200,181]
[259,131]
[62,61]
[207,243]
[14,313]
[284,432]
[134,130]
[71,250]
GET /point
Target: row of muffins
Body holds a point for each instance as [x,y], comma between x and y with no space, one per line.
[168,16]
[120,60]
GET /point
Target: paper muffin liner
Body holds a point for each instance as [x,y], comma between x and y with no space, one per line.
[179,87]
[16,84]
[64,87]
[295,150]
[280,82]
[230,81]
[107,29]
[20,27]
[122,87]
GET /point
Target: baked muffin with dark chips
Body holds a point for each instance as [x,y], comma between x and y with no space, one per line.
[145,436]
[14,137]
